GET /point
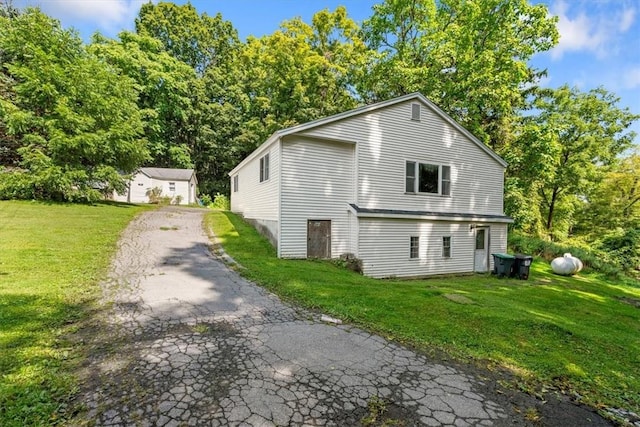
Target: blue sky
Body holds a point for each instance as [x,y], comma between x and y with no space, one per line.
[599,39]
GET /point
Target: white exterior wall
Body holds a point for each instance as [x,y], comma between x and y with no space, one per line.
[354,232]
[385,243]
[498,242]
[181,188]
[140,183]
[257,200]
[388,137]
[138,188]
[317,183]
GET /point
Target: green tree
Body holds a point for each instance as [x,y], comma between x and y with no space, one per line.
[198,40]
[468,56]
[565,149]
[302,72]
[70,121]
[210,46]
[615,201]
[169,95]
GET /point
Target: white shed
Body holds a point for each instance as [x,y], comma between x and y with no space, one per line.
[399,184]
[175,183]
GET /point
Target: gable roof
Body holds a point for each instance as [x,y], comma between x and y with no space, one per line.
[366,109]
[168,173]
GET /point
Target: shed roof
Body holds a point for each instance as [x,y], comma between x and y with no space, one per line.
[168,173]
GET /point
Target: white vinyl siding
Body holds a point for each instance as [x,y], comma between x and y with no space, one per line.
[317,182]
[497,241]
[353,233]
[384,242]
[388,135]
[257,200]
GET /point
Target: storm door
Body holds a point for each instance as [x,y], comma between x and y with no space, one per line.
[481,257]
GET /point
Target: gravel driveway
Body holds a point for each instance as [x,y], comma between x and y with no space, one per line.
[189,342]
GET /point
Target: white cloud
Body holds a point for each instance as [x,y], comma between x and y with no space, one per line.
[592,29]
[632,78]
[576,34]
[104,15]
[628,17]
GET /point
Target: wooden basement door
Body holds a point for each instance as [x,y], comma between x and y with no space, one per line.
[318,238]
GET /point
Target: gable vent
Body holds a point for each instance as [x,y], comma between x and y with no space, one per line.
[415,112]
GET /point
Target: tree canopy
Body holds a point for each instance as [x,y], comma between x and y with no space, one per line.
[68,122]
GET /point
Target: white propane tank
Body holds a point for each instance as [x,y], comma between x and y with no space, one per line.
[566,265]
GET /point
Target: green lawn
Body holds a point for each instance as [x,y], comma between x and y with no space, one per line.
[576,334]
[52,257]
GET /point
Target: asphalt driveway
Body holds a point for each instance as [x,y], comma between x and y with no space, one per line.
[187,341]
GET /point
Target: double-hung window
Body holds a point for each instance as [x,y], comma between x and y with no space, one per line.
[414,247]
[264,168]
[446,247]
[172,186]
[427,178]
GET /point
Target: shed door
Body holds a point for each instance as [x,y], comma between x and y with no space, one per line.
[481,258]
[318,238]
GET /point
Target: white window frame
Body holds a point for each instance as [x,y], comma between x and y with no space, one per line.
[264,168]
[416,254]
[446,247]
[235,183]
[444,178]
[172,186]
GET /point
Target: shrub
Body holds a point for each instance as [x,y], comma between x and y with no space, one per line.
[220,201]
[154,194]
[592,258]
[177,199]
[622,248]
[349,261]
[206,199]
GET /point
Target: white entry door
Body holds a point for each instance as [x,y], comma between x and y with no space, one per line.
[481,258]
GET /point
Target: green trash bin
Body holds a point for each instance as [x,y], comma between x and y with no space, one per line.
[502,264]
[521,266]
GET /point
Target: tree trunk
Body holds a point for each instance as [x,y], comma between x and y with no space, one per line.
[552,204]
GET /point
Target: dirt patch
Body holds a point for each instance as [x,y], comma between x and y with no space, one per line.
[631,301]
[460,299]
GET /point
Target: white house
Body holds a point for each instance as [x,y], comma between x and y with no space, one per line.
[399,184]
[174,183]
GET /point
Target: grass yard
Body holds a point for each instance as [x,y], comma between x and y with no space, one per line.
[52,257]
[579,334]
